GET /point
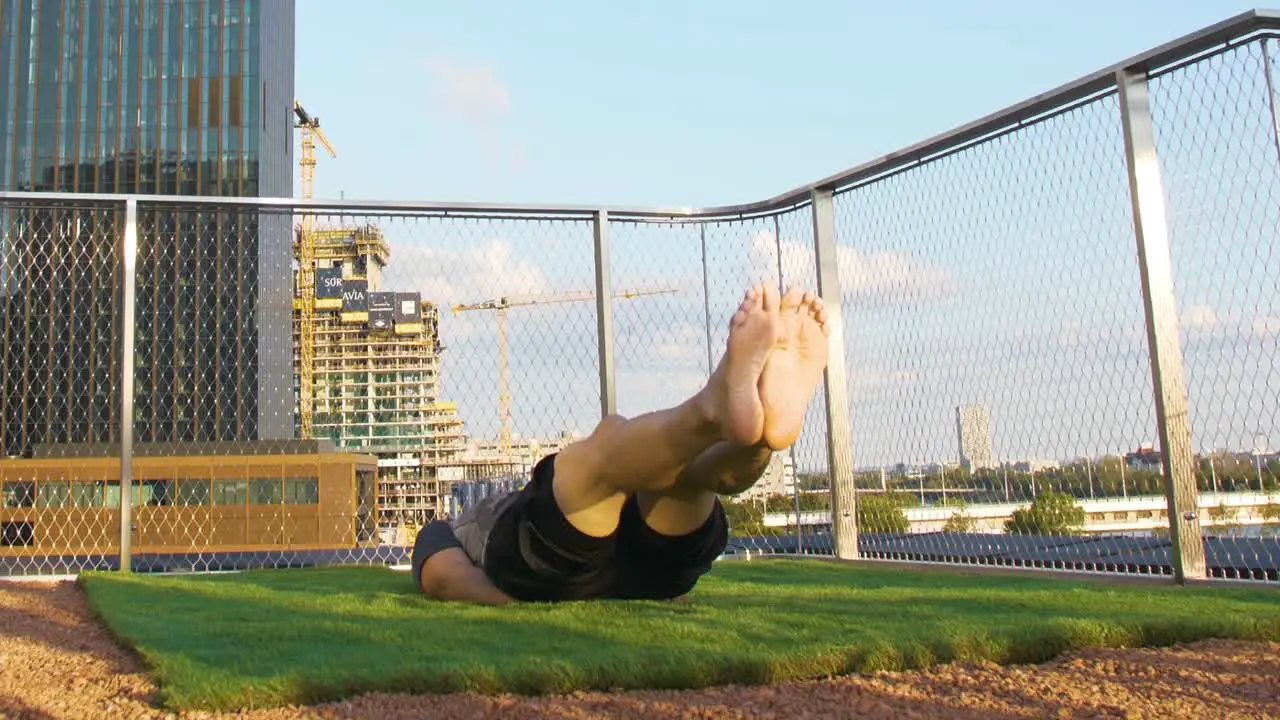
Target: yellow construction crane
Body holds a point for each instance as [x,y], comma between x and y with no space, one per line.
[502,305]
[310,127]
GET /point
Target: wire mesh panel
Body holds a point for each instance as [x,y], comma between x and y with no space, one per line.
[807,493]
[662,321]
[1217,134]
[442,357]
[59,385]
[667,345]
[1001,394]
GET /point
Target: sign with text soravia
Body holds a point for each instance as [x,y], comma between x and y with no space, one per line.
[329,283]
[329,288]
[381,310]
[355,300]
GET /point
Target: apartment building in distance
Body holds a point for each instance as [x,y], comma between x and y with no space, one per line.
[973,427]
[376,370]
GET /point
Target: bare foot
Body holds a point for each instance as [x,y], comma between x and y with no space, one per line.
[732,398]
[794,368]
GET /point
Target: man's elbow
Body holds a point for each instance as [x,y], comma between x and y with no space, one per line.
[451,577]
[439,580]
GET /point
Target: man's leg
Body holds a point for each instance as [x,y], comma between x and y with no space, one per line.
[786,387]
[547,546]
[594,476]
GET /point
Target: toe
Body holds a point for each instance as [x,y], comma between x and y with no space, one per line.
[770,294]
[792,301]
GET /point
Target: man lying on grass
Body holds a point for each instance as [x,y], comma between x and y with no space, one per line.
[632,510]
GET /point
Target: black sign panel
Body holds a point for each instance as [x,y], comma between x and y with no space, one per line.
[355,295]
[381,310]
[408,307]
[329,283]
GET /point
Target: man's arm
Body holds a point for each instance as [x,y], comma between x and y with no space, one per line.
[450,575]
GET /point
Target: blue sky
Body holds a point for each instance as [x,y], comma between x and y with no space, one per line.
[678,103]
[719,103]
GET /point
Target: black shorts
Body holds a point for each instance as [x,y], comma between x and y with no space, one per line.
[531,552]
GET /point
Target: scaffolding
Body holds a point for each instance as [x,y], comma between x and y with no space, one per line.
[375,374]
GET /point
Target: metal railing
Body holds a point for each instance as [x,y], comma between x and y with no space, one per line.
[1071,277]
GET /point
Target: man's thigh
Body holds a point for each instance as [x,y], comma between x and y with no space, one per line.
[650,565]
[533,553]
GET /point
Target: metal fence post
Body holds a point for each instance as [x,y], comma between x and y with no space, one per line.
[791,451]
[706,298]
[129,266]
[1155,264]
[844,501]
[604,316]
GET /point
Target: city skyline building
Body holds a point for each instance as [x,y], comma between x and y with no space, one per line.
[172,97]
[973,429]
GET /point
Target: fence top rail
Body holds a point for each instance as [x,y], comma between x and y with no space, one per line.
[1234,30]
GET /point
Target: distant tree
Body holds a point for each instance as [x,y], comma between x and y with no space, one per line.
[815,501]
[883,513]
[745,517]
[1224,516]
[1051,513]
[809,481]
[960,522]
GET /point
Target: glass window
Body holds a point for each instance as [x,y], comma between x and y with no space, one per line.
[88,494]
[230,492]
[17,534]
[19,494]
[193,492]
[302,491]
[265,491]
[156,492]
[54,494]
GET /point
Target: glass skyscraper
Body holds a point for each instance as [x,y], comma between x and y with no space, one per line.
[153,97]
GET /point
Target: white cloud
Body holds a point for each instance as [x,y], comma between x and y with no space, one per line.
[1077,334]
[650,390]
[865,379]
[1204,318]
[473,93]
[1266,325]
[1200,317]
[471,275]
[680,345]
[872,277]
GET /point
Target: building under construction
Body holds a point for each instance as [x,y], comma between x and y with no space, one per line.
[374,372]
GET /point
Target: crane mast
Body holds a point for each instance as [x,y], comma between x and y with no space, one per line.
[310,127]
[501,306]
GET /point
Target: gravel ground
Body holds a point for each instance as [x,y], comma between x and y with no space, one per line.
[55,662]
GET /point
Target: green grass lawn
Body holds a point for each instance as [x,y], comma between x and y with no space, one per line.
[303,636]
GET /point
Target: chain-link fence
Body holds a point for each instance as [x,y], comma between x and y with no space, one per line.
[996,346]
[1219,142]
[60,275]
[312,384]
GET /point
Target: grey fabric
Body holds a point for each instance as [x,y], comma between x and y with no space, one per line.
[474,526]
